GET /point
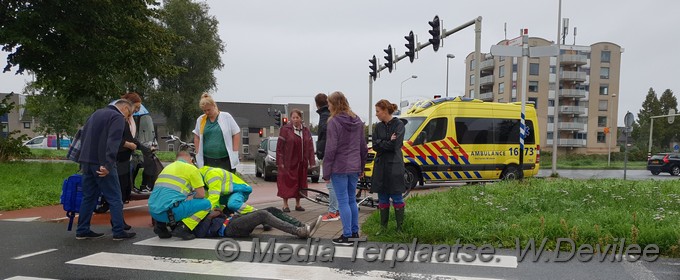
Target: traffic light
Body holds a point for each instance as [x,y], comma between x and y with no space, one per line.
[389,58]
[261,132]
[277,118]
[436,33]
[285,121]
[410,46]
[374,67]
[437,96]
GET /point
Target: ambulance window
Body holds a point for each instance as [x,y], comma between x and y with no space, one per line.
[435,130]
[411,126]
[474,130]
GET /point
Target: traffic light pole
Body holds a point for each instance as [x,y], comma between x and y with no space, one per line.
[370,107]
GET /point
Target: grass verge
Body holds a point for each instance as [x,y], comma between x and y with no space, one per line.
[587,211]
[32,184]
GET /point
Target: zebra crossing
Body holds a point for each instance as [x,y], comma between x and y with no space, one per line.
[342,266]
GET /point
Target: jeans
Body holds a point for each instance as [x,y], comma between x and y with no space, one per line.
[93,185]
[345,186]
[333,203]
[384,200]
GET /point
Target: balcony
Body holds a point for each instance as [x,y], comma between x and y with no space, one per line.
[571,142]
[486,80]
[573,59]
[572,126]
[572,110]
[573,93]
[486,64]
[575,76]
[486,96]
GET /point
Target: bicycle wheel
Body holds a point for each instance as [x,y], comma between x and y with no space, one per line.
[316,196]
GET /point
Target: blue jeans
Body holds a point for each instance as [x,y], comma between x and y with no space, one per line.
[384,198]
[184,209]
[93,186]
[333,203]
[345,187]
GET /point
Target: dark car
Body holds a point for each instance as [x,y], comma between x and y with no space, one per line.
[664,162]
[265,161]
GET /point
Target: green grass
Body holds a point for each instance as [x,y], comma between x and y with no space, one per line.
[587,211]
[32,184]
[48,154]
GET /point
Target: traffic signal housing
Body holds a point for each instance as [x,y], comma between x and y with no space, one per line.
[285,121]
[277,118]
[410,46]
[374,68]
[436,33]
[389,58]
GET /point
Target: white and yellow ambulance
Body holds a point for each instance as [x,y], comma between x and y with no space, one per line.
[463,139]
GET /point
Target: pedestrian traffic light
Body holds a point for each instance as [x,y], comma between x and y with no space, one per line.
[436,33]
[374,67]
[410,46]
[389,58]
[277,118]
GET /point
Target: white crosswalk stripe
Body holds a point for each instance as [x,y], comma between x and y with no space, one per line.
[258,269]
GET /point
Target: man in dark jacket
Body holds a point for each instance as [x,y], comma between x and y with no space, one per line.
[101,138]
[322,109]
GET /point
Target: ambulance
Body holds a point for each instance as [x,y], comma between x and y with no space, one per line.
[456,139]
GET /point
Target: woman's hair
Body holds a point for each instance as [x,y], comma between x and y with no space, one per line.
[321,100]
[340,105]
[132,97]
[206,100]
[386,105]
[296,111]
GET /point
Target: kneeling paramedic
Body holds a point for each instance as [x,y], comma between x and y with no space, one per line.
[168,203]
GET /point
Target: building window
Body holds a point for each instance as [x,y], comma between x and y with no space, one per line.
[501,88]
[27,125]
[601,138]
[472,65]
[472,93]
[533,86]
[514,99]
[552,69]
[246,149]
[472,80]
[601,121]
[603,105]
[535,101]
[501,58]
[551,119]
[514,68]
[605,56]
[549,135]
[551,102]
[604,73]
[501,71]
[604,89]
[533,69]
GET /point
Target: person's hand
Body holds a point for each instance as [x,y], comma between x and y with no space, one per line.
[361,175]
[103,171]
[394,137]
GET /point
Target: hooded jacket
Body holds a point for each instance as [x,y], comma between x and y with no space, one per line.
[346,149]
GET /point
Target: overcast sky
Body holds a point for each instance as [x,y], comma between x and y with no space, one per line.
[288,51]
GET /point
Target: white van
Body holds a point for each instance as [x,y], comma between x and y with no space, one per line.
[47,142]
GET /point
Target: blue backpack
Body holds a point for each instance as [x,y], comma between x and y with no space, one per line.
[72,196]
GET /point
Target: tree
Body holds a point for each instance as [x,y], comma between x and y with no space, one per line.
[650,107]
[85,50]
[55,114]
[669,132]
[198,52]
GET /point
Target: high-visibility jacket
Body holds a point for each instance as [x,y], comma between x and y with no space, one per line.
[174,184]
[223,188]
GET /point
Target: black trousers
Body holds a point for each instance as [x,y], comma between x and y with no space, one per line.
[223,163]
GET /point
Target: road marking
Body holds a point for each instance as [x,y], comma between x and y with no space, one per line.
[340,251]
[240,269]
[125,208]
[27,219]
[34,254]
[27,278]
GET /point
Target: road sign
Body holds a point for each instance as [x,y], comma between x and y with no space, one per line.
[629,119]
[514,42]
[671,116]
[676,148]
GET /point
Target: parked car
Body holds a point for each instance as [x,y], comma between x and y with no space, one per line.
[47,142]
[664,162]
[265,161]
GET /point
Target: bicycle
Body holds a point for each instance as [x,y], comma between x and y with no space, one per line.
[183,146]
[363,196]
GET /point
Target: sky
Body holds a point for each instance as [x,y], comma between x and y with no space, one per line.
[288,51]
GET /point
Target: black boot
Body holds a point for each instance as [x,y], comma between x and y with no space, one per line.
[384,219]
[399,214]
[182,231]
[161,229]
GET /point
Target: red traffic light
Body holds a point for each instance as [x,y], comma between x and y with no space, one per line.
[285,121]
[261,132]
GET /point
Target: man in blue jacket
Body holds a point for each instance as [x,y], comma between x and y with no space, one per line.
[101,138]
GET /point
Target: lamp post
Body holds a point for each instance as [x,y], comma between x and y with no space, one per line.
[611,131]
[401,90]
[448,57]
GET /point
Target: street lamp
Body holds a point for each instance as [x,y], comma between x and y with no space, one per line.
[611,131]
[448,57]
[401,90]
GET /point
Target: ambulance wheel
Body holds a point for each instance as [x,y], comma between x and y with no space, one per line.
[511,172]
[411,177]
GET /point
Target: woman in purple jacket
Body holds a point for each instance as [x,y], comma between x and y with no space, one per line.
[344,161]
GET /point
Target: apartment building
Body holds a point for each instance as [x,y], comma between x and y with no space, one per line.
[18,119]
[587,92]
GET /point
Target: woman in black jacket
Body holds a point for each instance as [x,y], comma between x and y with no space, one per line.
[388,168]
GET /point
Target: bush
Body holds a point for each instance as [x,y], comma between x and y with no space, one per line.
[12,148]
